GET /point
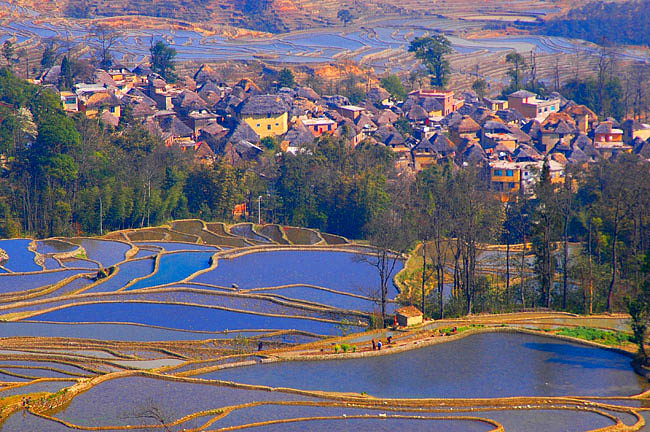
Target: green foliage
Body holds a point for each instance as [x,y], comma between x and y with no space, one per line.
[516,71]
[162,61]
[605,98]
[639,309]
[626,23]
[286,78]
[393,85]
[431,50]
[270,143]
[345,16]
[334,188]
[66,77]
[9,52]
[480,87]
[49,56]
[605,337]
[344,348]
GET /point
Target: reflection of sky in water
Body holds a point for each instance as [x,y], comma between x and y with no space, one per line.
[483,365]
[313,46]
[181,317]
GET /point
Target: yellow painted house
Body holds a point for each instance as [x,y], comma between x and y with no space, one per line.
[267,115]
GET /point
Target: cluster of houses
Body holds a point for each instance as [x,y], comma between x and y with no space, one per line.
[510,138]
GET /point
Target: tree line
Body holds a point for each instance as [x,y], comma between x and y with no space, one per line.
[588,238]
[579,246]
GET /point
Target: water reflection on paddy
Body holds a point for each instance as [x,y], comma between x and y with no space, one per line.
[119,397]
[181,317]
[128,272]
[10,282]
[118,332]
[106,252]
[521,420]
[20,258]
[483,365]
[175,267]
[337,270]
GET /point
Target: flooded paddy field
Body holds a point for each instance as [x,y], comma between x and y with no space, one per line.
[378,43]
[482,366]
[254,331]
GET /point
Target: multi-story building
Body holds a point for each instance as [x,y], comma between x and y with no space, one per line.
[512,179]
[444,97]
[531,107]
[267,115]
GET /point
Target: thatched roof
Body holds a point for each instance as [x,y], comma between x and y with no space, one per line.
[307,93]
[205,74]
[466,125]
[377,94]
[264,105]
[174,126]
[244,132]
[299,136]
[409,311]
[522,94]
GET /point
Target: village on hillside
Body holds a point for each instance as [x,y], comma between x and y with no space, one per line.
[207,117]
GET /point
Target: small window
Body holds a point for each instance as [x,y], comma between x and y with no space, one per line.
[258,125]
[277,124]
[498,172]
[268,127]
[553,108]
[526,173]
[510,173]
[512,185]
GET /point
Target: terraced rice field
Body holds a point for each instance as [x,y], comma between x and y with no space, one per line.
[247,320]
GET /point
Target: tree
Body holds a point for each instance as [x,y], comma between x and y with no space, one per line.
[545,226]
[49,56]
[566,208]
[66,77]
[388,234]
[476,217]
[393,85]
[9,52]
[269,143]
[105,37]
[516,71]
[345,16]
[434,225]
[286,78]
[162,61]
[480,86]
[431,50]
[639,309]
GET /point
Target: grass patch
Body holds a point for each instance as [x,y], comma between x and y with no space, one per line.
[450,330]
[344,348]
[605,337]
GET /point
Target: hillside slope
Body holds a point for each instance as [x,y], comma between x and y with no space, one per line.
[277,15]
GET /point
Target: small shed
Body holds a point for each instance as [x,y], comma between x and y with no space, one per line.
[408,315]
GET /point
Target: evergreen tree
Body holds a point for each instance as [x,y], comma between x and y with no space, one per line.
[162,61]
[431,50]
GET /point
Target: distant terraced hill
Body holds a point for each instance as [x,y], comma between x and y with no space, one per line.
[278,15]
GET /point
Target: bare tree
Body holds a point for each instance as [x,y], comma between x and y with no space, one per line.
[105,39]
[391,235]
[151,411]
